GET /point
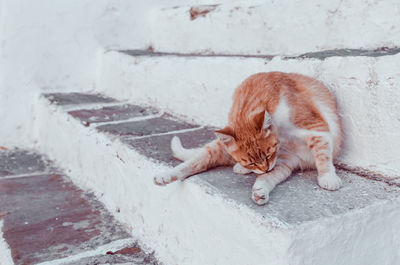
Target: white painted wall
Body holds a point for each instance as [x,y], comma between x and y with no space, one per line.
[283,27]
[55,45]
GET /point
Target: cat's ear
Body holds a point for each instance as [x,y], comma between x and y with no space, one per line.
[226,135]
[262,119]
[267,121]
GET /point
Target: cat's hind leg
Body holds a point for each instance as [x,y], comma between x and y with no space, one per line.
[195,161]
[265,183]
[322,150]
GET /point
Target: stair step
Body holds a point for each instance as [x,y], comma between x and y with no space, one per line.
[21,162]
[46,218]
[63,99]
[320,55]
[209,218]
[110,113]
[251,27]
[201,88]
[145,127]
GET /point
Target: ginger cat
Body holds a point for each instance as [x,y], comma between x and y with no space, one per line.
[278,122]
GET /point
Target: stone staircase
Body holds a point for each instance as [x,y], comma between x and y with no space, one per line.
[46,219]
[85,193]
[210,218]
[363,81]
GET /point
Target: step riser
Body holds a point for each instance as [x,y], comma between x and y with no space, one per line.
[365,87]
[209,218]
[360,237]
[277,27]
[157,215]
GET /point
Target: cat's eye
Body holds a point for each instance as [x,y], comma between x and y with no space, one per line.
[251,165]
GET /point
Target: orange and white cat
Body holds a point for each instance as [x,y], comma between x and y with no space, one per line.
[278,122]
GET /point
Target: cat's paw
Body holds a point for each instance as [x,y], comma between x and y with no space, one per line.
[165,178]
[329,181]
[239,169]
[260,192]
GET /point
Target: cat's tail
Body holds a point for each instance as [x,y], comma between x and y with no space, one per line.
[196,160]
[180,152]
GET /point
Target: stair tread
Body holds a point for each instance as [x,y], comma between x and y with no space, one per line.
[320,55]
[47,218]
[296,201]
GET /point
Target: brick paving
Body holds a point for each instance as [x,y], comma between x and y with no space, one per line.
[63,99]
[146,127]
[46,217]
[111,113]
[132,254]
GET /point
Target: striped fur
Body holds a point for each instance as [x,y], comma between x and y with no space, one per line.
[278,122]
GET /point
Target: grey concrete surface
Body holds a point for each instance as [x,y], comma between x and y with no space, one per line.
[16,161]
[159,147]
[146,127]
[77,98]
[300,199]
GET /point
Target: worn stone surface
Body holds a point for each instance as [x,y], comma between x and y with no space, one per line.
[349,52]
[146,127]
[77,98]
[321,55]
[111,113]
[17,161]
[295,201]
[300,199]
[152,53]
[129,255]
[47,218]
[159,148]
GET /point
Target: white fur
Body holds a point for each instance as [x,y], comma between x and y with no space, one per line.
[167,177]
[302,156]
[195,161]
[330,181]
[290,133]
[281,117]
[180,152]
[239,169]
[260,191]
[265,183]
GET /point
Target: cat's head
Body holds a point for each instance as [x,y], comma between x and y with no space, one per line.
[254,146]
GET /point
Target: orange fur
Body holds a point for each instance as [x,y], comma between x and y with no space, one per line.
[259,134]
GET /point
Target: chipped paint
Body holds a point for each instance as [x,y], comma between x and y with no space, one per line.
[201,11]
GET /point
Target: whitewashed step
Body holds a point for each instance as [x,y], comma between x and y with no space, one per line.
[275,27]
[365,83]
[210,219]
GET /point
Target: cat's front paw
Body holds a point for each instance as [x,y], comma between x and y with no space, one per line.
[329,181]
[165,178]
[260,192]
[239,169]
